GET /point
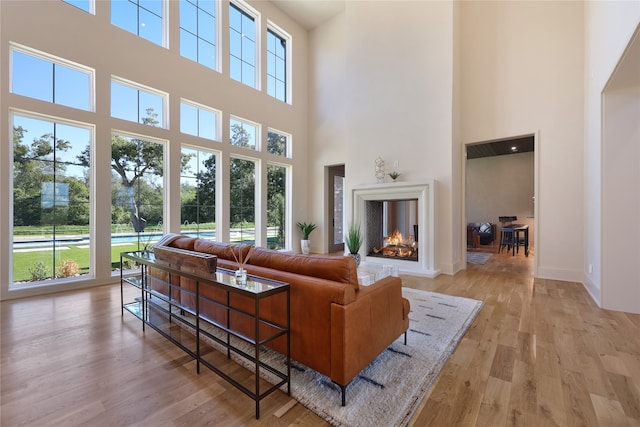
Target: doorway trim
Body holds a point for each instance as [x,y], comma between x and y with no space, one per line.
[332,172]
[536,190]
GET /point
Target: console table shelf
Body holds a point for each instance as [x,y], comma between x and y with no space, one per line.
[197,334]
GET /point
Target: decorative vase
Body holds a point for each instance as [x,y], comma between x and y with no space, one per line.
[356,257]
[305,245]
[379,168]
[241,276]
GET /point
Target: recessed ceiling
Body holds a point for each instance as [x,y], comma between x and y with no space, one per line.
[310,13]
[522,144]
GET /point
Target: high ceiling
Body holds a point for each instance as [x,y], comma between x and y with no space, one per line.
[522,144]
[310,13]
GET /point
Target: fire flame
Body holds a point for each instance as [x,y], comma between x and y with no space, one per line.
[395,238]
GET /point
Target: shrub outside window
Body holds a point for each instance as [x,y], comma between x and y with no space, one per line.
[51,200]
[198,193]
[244,133]
[278,143]
[277,206]
[242,208]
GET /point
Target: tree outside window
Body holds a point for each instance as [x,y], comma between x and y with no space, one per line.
[51,210]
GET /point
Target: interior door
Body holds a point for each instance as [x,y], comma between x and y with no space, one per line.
[336,208]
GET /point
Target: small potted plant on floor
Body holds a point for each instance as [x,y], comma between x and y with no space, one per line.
[353,240]
[306,229]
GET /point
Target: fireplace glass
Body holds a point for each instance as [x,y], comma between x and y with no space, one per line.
[391,229]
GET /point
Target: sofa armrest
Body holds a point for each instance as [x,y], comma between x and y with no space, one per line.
[360,331]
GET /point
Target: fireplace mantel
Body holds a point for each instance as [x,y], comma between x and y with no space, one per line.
[425,193]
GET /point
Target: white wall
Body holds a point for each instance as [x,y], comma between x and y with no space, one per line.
[522,67]
[609,27]
[395,100]
[327,120]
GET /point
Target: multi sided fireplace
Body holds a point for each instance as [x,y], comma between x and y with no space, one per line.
[398,225]
[392,229]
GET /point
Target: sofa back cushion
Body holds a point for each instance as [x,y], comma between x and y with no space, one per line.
[222,250]
[183,242]
[341,269]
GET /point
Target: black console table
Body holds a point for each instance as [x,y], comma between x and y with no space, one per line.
[163,311]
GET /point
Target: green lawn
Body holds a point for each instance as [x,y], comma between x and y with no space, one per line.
[24,261]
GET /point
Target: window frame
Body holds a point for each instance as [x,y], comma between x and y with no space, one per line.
[279,32]
[164,123]
[217,34]
[165,143]
[92,6]
[199,107]
[288,149]
[164,24]
[54,60]
[55,281]
[252,13]
[217,189]
[288,202]
[258,127]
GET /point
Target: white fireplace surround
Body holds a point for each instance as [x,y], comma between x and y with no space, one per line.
[425,193]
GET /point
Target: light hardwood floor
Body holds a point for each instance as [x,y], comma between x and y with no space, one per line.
[539,353]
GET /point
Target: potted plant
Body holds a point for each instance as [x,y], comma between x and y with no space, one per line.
[306,229]
[353,240]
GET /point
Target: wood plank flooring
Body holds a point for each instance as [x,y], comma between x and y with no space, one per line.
[539,353]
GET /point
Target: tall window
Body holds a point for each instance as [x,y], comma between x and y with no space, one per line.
[49,79]
[198,31]
[137,190]
[143,18]
[278,143]
[137,104]
[244,133]
[242,46]
[86,5]
[276,66]
[199,120]
[198,193]
[51,199]
[242,190]
[276,206]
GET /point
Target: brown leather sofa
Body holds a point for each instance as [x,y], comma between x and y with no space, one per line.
[337,326]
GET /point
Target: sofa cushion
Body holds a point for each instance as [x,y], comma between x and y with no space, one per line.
[340,269]
[222,250]
[183,242]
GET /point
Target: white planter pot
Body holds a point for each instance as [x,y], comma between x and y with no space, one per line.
[305,245]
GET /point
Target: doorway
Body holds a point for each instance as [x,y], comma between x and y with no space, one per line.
[499,182]
[335,204]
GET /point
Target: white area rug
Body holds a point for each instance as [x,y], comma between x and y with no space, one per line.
[389,390]
[478,257]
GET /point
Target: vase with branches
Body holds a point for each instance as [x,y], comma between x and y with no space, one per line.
[241,273]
